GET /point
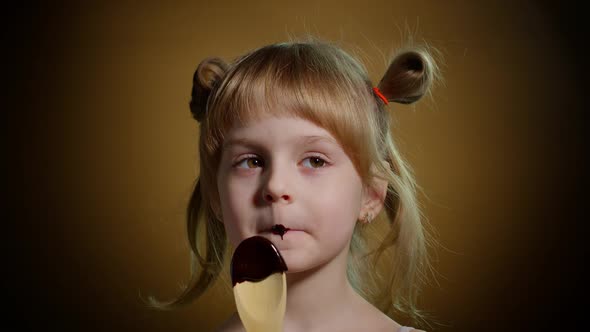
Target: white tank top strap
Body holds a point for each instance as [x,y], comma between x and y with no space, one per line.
[405,329]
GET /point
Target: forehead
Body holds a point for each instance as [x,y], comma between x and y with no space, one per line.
[285,130]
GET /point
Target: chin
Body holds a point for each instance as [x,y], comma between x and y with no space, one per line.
[295,263]
[298,262]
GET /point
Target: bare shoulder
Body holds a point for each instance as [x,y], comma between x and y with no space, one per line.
[232,324]
[365,317]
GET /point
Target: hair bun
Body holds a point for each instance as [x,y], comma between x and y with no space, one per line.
[208,74]
[408,77]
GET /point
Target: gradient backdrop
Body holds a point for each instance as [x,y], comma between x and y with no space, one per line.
[101,153]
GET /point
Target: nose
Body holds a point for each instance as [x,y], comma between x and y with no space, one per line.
[276,188]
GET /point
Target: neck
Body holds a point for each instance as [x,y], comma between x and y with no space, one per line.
[317,296]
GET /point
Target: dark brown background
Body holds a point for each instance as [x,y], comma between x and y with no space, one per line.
[101,153]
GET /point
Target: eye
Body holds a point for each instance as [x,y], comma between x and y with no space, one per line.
[315,162]
[250,162]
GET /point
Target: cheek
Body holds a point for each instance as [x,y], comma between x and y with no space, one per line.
[339,211]
[234,201]
[339,225]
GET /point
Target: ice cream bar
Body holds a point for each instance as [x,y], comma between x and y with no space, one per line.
[259,284]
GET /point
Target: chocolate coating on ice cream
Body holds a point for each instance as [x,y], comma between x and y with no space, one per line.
[255,259]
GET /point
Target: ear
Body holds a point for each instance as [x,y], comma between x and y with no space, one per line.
[207,76]
[373,199]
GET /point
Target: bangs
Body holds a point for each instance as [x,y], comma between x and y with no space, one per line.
[316,82]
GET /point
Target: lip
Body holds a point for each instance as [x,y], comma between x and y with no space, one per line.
[269,230]
[277,238]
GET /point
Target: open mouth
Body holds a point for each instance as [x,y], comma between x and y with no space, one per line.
[279,230]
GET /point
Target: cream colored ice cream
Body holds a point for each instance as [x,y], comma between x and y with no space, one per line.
[259,284]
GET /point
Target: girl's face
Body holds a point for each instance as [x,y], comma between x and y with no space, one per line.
[288,171]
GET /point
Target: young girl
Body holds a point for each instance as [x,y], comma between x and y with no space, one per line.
[296,134]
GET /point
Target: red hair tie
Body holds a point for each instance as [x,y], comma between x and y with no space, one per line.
[380,95]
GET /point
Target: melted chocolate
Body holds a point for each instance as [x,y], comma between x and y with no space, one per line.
[255,259]
[279,230]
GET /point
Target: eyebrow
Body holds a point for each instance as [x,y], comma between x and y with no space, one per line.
[302,140]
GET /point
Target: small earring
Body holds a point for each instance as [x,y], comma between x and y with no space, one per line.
[368,218]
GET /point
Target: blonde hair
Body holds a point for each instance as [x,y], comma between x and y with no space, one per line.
[319,82]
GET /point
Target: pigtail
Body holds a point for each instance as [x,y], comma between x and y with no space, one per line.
[208,248]
[206,78]
[408,77]
[206,234]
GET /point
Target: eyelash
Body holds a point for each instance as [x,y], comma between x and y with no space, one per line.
[325,162]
